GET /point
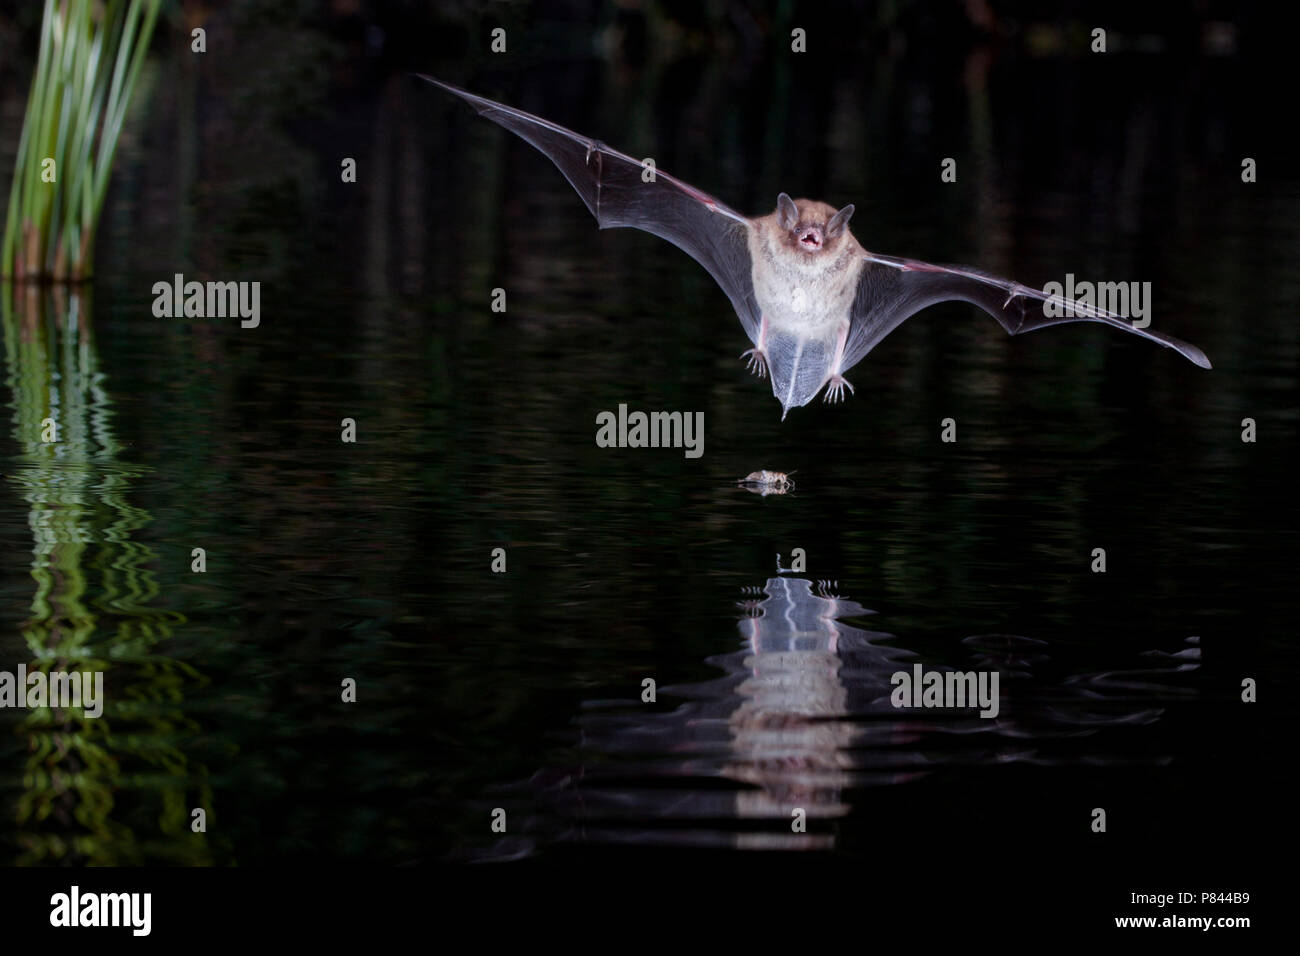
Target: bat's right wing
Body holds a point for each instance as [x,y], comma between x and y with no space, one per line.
[622,191]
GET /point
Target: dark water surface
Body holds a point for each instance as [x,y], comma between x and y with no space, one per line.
[522,690]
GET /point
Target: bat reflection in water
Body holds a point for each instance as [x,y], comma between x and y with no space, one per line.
[810,298]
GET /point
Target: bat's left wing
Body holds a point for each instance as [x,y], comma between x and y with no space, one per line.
[622,191]
[891,290]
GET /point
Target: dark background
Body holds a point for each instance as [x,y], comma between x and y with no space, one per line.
[476,431]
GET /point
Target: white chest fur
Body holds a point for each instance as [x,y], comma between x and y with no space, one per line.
[808,295]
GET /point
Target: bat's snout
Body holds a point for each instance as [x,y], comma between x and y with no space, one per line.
[811,238]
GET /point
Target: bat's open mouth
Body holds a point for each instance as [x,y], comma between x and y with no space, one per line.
[811,239]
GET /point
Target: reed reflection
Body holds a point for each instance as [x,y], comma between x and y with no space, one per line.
[119,788]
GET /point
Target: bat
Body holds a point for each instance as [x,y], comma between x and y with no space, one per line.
[811,299]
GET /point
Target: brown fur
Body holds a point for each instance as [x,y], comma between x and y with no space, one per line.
[827,277]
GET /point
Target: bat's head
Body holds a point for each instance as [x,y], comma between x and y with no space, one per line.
[812,228]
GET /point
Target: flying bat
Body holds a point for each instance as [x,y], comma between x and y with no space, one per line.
[811,299]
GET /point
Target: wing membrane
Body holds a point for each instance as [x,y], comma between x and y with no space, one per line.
[621,193]
[892,290]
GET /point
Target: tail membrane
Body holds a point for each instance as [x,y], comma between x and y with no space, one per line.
[799,367]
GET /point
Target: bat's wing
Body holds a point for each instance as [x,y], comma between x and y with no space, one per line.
[622,191]
[892,290]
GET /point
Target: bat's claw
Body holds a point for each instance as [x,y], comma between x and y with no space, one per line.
[757,362]
[835,390]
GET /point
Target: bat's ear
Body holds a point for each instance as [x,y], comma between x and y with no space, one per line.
[839,221]
[789,213]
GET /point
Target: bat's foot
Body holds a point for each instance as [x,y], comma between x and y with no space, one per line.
[835,389]
[757,362]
